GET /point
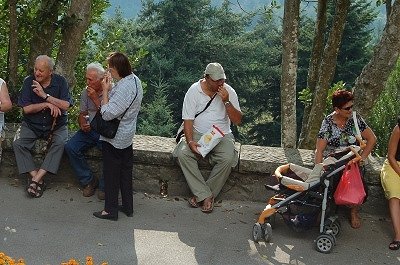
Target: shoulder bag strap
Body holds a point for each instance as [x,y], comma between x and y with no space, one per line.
[132,100]
[208,104]
[356,125]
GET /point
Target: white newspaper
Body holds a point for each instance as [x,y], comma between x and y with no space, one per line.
[209,140]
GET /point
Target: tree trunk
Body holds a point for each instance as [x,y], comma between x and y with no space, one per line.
[371,82]
[388,6]
[315,60]
[13,48]
[289,73]
[74,27]
[326,73]
[45,31]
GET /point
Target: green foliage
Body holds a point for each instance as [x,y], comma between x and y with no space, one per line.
[259,84]
[172,41]
[27,11]
[356,46]
[182,37]
[337,86]
[305,96]
[156,116]
[385,112]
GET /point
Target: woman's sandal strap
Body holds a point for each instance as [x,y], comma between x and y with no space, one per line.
[394,245]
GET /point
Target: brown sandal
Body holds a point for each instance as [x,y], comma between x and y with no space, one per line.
[36,189]
[204,209]
[193,202]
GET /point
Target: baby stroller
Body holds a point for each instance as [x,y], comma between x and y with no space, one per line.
[304,203]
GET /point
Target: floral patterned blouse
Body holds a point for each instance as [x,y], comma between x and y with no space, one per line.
[339,138]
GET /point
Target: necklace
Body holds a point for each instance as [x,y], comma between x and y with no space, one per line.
[340,122]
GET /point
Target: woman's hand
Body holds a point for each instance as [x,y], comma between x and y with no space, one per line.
[106,82]
[319,150]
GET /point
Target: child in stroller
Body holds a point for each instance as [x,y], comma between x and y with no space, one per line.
[303,197]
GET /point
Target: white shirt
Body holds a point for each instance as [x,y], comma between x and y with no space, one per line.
[216,114]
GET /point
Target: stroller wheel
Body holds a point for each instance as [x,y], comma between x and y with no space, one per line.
[267,232]
[334,226]
[258,232]
[324,243]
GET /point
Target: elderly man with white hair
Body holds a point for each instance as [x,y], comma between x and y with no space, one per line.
[45,99]
[86,138]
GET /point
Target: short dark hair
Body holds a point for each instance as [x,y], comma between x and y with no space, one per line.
[120,62]
[341,97]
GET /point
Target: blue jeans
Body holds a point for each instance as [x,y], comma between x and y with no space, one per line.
[75,149]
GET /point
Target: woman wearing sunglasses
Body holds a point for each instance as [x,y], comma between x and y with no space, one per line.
[338,131]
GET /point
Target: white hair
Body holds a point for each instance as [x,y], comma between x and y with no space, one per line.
[97,67]
[50,61]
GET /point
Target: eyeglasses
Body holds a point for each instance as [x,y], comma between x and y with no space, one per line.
[348,108]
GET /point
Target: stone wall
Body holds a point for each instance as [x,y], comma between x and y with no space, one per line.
[153,162]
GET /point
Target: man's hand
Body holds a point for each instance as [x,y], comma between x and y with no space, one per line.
[92,94]
[38,89]
[193,146]
[85,127]
[223,93]
[54,110]
[84,124]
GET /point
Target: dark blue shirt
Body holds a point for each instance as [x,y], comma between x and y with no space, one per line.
[41,121]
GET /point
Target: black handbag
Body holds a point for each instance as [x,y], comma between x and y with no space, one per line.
[109,128]
[105,128]
[180,132]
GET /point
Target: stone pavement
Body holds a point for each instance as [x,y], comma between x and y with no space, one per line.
[60,226]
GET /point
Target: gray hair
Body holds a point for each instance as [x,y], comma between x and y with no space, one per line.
[97,67]
[50,61]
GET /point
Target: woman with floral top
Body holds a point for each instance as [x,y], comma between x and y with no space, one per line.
[337,132]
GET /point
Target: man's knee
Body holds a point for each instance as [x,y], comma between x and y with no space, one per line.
[69,147]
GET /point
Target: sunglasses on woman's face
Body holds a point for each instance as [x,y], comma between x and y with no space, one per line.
[348,108]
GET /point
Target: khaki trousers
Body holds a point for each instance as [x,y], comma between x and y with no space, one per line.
[222,158]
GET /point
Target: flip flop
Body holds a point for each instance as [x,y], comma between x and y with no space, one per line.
[394,245]
[211,208]
[193,202]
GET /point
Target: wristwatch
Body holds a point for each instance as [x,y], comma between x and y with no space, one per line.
[227,103]
[47,95]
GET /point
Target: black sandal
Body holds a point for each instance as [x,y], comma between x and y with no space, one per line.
[394,245]
[36,189]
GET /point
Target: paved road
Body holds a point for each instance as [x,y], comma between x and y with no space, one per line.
[60,226]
